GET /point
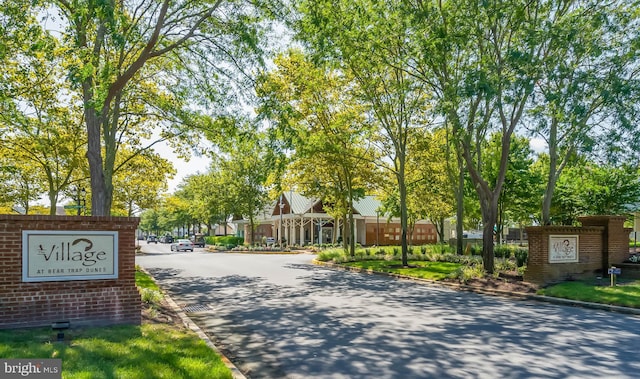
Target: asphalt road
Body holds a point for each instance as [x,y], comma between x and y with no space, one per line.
[279,316]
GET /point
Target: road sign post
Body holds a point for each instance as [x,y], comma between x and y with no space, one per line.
[613,271]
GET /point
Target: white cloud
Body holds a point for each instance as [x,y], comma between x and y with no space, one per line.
[538,145]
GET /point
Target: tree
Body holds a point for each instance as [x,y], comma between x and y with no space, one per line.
[585,101]
[519,199]
[140,180]
[482,62]
[149,221]
[366,39]
[233,186]
[175,213]
[114,45]
[20,186]
[44,137]
[245,171]
[206,194]
[591,189]
[433,174]
[317,109]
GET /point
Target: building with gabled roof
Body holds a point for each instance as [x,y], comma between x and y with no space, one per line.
[300,221]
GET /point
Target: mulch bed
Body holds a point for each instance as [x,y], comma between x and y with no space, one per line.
[506,281]
[162,313]
[503,285]
[509,282]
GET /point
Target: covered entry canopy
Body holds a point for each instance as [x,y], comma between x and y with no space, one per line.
[301,220]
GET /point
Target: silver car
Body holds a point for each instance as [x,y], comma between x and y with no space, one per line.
[182,245]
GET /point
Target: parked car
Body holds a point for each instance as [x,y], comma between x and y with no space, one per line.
[198,240]
[151,239]
[182,245]
[166,239]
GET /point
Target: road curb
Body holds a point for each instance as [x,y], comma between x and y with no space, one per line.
[463,287]
[189,324]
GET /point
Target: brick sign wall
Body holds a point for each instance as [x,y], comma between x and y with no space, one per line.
[81,300]
[602,241]
[542,270]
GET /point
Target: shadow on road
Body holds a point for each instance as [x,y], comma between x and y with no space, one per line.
[339,324]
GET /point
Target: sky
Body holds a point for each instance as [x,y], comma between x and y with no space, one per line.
[538,145]
[195,165]
[199,165]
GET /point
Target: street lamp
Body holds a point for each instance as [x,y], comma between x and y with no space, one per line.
[82,193]
[280,232]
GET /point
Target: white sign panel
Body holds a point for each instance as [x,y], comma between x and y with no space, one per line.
[563,249]
[69,255]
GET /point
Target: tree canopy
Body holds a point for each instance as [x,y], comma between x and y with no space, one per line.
[439,96]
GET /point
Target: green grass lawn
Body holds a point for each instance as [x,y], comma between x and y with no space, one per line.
[127,351]
[147,351]
[145,281]
[424,270]
[623,294]
[626,295]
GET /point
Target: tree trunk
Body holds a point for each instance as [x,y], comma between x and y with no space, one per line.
[489,207]
[53,201]
[440,230]
[251,230]
[500,221]
[403,208]
[551,179]
[487,244]
[460,209]
[352,234]
[94,158]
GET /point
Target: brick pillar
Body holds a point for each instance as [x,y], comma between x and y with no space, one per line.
[615,240]
[82,302]
[538,255]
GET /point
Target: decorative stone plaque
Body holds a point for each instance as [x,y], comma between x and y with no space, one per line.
[563,249]
[69,255]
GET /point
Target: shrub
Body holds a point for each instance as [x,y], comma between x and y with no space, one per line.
[226,241]
[466,273]
[521,255]
[476,249]
[151,297]
[462,259]
[441,248]
[502,251]
[330,255]
[502,264]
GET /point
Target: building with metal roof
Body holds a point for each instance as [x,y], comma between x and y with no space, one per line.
[299,220]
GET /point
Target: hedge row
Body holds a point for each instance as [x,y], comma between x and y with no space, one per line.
[232,241]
